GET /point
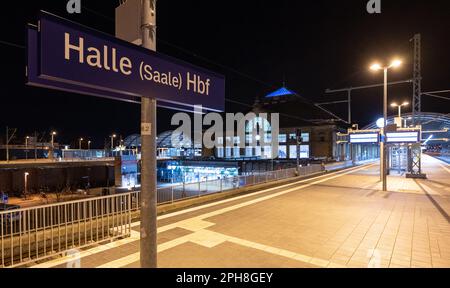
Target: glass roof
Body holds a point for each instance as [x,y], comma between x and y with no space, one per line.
[433,124]
[164,140]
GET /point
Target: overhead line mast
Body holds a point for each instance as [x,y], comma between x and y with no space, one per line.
[417,80]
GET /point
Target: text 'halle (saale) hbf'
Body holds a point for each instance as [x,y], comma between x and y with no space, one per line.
[108,58]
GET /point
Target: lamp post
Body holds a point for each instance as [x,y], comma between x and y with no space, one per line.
[378,67]
[26,147]
[112,144]
[26,174]
[112,141]
[53,134]
[395,105]
[89,144]
[80,142]
[298,139]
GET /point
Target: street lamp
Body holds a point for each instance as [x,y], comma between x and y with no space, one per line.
[53,134]
[121,146]
[26,174]
[377,67]
[89,144]
[51,155]
[26,147]
[112,141]
[395,105]
[80,142]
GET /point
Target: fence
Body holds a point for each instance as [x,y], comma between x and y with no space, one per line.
[85,159]
[184,191]
[33,234]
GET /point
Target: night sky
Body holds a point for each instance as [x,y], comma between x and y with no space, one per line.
[257,45]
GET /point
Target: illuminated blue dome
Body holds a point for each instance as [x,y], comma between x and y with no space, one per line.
[281,92]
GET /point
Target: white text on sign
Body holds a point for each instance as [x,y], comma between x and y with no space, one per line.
[110,59]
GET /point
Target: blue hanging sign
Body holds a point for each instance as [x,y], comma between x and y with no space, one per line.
[72,57]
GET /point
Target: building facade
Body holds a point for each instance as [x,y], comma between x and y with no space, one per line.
[315,142]
[300,121]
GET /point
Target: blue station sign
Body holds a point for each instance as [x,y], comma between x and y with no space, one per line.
[68,56]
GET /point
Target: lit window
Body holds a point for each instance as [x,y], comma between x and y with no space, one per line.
[248,152]
[304,151]
[237,152]
[282,152]
[267,126]
[220,152]
[292,136]
[282,138]
[305,137]
[267,138]
[249,139]
[292,152]
[228,152]
[268,152]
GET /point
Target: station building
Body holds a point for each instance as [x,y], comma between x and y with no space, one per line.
[315,127]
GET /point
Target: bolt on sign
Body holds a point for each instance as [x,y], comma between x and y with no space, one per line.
[67,56]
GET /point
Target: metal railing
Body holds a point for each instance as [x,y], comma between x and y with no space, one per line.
[32,234]
[84,159]
[173,193]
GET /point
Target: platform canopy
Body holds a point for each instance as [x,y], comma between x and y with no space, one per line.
[164,140]
[433,126]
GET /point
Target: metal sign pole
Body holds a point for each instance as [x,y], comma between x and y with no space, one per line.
[383,142]
[298,139]
[148,244]
[7,145]
[349,96]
